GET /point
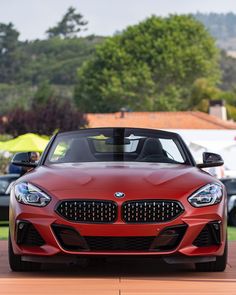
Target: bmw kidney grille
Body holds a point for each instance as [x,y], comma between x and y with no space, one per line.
[145,211]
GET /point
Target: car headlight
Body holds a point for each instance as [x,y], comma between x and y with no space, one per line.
[209,194]
[27,193]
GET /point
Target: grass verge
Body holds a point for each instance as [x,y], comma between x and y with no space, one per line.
[3,232]
[232,233]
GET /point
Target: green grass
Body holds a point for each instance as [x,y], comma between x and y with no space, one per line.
[232,233]
[4,233]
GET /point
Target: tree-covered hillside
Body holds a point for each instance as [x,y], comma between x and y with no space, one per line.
[161,64]
[31,63]
[37,77]
[55,59]
[222,26]
[24,66]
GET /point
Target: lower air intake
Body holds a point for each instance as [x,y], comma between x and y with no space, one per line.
[119,243]
[209,236]
[28,235]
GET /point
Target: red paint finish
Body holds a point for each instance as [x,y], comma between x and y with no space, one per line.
[139,181]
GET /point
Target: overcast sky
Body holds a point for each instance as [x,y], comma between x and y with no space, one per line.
[33,17]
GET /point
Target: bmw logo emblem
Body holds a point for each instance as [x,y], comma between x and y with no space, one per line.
[119,195]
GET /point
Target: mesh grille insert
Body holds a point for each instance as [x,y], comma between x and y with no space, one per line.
[28,235]
[119,243]
[150,211]
[88,211]
[209,236]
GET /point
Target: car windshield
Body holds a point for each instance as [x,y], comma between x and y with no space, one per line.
[116,144]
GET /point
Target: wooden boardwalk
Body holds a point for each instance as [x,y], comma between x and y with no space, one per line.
[118,277]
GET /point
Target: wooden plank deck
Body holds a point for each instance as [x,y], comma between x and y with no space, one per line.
[118,277]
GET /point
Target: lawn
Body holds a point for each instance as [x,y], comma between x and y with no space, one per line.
[3,232]
[231,233]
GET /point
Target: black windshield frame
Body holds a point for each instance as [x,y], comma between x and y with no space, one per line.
[189,160]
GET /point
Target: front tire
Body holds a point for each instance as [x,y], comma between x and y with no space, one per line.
[214,266]
[15,262]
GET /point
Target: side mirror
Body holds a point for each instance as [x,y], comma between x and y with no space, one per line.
[211,160]
[23,160]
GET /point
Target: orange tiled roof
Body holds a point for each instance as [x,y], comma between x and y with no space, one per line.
[160,120]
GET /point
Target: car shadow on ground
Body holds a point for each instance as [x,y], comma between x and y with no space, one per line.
[118,267]
[150,268]
[140,268]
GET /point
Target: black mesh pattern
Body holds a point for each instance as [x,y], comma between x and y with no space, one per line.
[29,236]
[33,237]
[151,211]
[119,243]
[88,211]
[209,235]
[204,238]
[71,240]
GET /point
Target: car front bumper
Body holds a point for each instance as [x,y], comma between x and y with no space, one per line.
[195,233]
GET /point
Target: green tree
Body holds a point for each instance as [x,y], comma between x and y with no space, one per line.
[150,66]
[202,92]
[15,95]
[55,59]
[43,94]
[9,53]
[231,112]
[228,67]
[71,24]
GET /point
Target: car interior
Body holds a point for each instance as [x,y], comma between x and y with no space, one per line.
[85,149]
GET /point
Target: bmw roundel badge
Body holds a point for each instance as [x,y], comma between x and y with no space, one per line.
[119,195]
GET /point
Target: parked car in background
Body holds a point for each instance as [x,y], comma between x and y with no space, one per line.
[117,191]
[6,182]
[230,185]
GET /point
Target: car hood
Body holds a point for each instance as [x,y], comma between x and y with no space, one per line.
[100,180]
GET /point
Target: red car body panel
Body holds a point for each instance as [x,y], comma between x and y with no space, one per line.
[99,181]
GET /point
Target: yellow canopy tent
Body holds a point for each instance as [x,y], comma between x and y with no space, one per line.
[25,143]
[1,144]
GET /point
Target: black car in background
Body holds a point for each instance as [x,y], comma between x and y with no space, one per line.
[6,182]
[230,185]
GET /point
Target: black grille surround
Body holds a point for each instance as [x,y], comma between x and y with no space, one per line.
[88,211]
[210,235]
[151,211]
[135,211]
[27,235]
[167,240]
[71,240]
[119,243]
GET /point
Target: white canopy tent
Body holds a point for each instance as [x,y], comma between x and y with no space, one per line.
[211,145]
[222,142]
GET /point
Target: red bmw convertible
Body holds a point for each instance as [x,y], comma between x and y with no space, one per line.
[117,191]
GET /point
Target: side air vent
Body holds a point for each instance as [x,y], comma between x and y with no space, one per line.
[209,236]
[28,235]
